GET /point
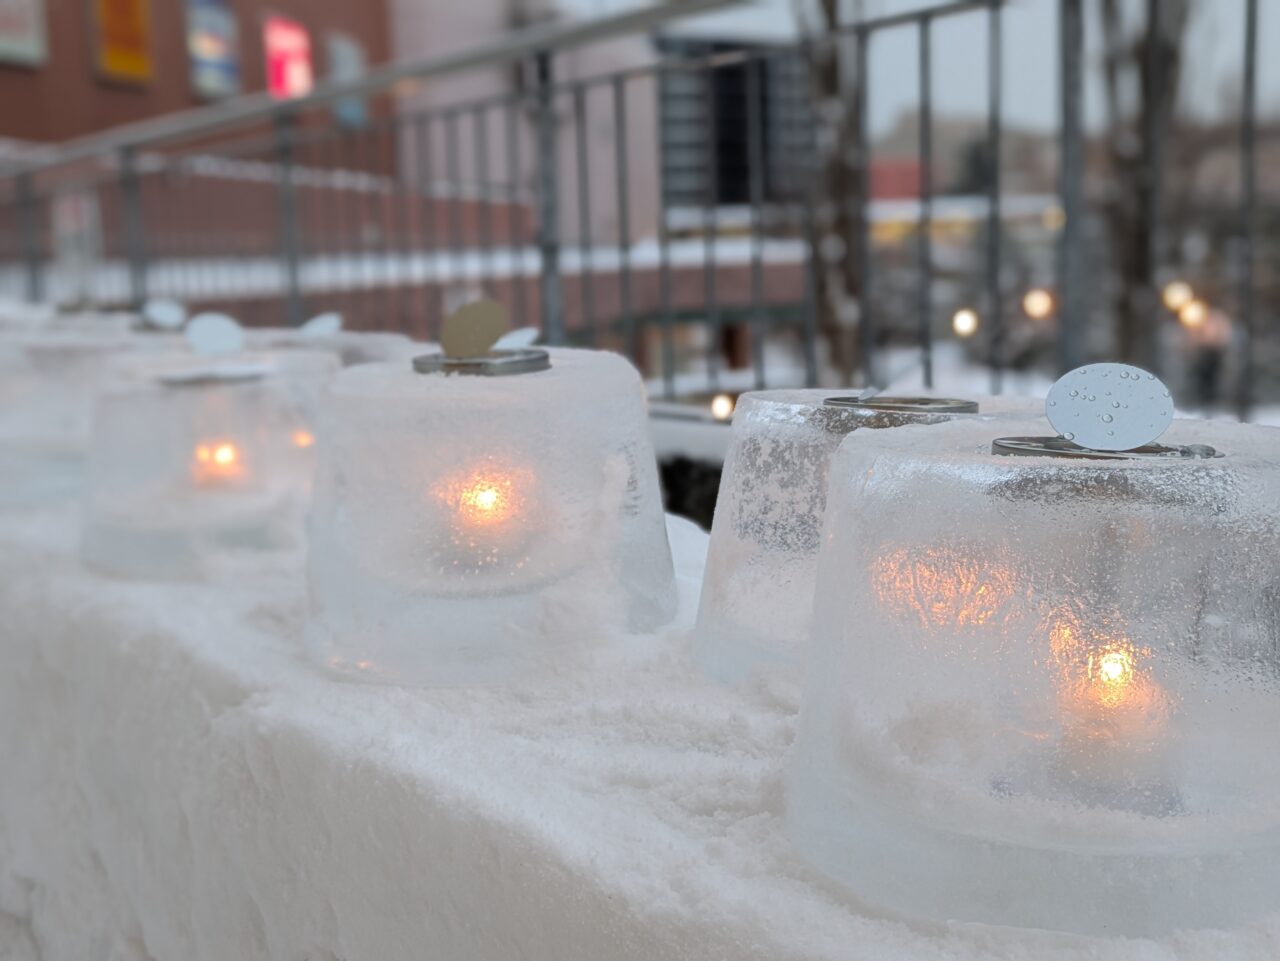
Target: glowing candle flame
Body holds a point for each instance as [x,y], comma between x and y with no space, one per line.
[489,512]
[484,501]
[217,461]
[302,439]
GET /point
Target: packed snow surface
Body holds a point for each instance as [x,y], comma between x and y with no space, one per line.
[181,784]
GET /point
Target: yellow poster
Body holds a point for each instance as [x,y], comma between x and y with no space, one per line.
[124,39]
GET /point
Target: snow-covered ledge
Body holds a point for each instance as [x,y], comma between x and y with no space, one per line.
[178,783]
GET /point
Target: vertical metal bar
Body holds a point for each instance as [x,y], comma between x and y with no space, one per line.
[866,320]
[401,247]
[995,308]
[32,243]
[1147,348]
[553,321]
[383,170]
[584,212]
[131,216]
[1071,173]
[454,176]
[345,197]
[435,300]
[811,170]
[924,227]
[480,132]
[427,215]
[515,219]
[625,314]
[711,226]
[1248,208]
[288,218]
[755,173]
[664,269]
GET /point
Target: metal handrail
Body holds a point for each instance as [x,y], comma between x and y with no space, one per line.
[512,47]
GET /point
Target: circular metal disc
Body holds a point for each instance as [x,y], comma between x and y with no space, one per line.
[496,363]
[213,333]
[219,374]
[1061,447]
[322,325]
[1112,407]
[164,314]
[910,405]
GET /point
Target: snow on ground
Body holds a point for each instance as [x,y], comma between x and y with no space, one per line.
[179,782]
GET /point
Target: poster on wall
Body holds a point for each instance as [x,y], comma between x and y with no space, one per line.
[347,61]
[123,39]
[213,48]
[23,39]
[288,49]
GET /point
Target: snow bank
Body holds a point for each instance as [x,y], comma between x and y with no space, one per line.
[178,782]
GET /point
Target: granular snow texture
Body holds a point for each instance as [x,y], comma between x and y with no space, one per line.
[178,783]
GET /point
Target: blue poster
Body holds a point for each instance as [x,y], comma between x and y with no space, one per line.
[213,46]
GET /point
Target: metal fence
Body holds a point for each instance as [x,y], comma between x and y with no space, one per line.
[665,208]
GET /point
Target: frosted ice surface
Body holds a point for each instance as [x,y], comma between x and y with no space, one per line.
[465,528]
[353,346]
[758,592]
[1044,691]
[47,381]
[193,456]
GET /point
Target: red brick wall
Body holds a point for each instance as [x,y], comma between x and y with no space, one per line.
[66,98]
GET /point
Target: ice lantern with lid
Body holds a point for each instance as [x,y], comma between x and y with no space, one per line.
[1044,688]
[757,595]
[479,516]
[193,455]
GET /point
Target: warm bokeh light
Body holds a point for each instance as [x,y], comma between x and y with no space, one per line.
[722,407]
[964,322]
[1101,668]
[1111,673]
[485,497]
[217,460]
[941,587]
[1177,294]
[1193,314]
[302,439]
[1038,303]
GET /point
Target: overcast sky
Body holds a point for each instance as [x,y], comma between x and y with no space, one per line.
[1030,87]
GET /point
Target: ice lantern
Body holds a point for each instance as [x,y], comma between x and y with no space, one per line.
[757,595]
[1044,688]
[475,517]
[193,456]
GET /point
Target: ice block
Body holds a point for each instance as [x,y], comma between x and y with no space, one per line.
[757,597]
[1043,690]
[469,527]
[195,456]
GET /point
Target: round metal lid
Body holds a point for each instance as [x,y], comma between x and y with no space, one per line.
[910,405]
[496,363]
[1061,447]
[230,373]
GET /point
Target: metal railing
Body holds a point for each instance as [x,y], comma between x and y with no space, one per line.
[665,207]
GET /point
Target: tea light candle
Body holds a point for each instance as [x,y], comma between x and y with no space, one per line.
[217,464]
[490,511]
[1114,715]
